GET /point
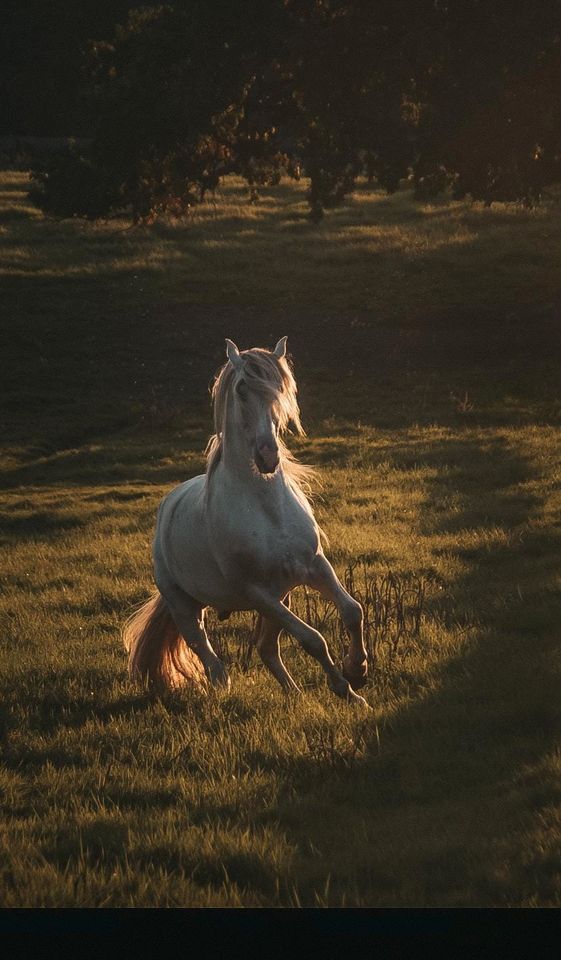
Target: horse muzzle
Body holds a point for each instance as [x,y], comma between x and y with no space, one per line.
[266,458]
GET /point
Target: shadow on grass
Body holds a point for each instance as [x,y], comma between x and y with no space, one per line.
[100,842]
[56,702]
[95,329]
[41,525]
[451,774]
[124,460]
[475,484]
[247,869]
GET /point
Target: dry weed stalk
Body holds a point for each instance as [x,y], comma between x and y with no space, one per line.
[393,605]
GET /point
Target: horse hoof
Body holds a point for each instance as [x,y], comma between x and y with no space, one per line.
[356,674]
[342,688]
[357,700]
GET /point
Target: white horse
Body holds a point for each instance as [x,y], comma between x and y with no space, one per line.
[241,537]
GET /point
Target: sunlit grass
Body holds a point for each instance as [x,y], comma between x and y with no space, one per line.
[439,454]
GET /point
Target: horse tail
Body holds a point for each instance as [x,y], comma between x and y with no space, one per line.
[158,654]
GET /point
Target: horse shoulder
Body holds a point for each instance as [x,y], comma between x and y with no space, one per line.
[182,499]
[180,523]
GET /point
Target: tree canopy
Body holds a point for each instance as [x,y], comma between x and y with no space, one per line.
[460,94]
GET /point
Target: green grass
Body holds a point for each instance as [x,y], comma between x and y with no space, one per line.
[426,347]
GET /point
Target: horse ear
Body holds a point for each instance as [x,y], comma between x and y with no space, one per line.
[233,354]
[280,349]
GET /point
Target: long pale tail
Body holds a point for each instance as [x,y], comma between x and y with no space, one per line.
[158,654]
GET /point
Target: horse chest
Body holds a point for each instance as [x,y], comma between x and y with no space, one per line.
[271,544]
[281,549]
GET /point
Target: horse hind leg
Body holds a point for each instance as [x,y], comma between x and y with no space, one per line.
[266,639]
[188,617]
[158,654]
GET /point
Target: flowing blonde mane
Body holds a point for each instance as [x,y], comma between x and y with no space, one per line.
[272,378]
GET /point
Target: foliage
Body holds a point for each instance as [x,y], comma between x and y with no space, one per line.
[487,91]
[41,62]
[464,95]
[69,184]
[162,91]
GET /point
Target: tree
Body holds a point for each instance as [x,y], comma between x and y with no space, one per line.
[41,60]
[489,90]
[462,93]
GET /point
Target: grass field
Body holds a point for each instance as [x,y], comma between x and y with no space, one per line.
[426,342]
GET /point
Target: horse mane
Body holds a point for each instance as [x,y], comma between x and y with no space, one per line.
[272,378]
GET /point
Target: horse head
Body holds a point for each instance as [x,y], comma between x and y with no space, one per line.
[262,393]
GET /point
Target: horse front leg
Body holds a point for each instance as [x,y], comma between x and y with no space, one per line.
[310,639]
[324,579]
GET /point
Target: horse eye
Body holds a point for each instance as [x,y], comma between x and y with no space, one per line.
[241,390]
